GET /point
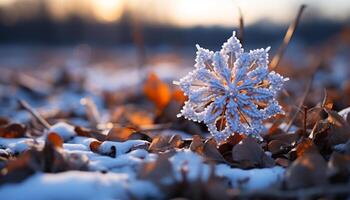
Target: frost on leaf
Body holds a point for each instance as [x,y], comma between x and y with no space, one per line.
[231,91]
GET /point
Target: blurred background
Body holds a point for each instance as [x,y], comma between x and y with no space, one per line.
[119,35]
[171,23]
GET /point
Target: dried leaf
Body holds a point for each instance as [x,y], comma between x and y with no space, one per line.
[55,139]
[157,91]
[282,162]
[307,171]
[13,131]
[85,132]
[339,132]
[249,154]
[211,153]
[339,168]
[197,145]
[119,134]
[178,96]
[163,143]
[94,146]
[278,147]
[306,146]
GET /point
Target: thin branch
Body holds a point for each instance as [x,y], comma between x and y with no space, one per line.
[241,26]
[91,111]
[308,87]
[288,36]
[301,103]
[34,113]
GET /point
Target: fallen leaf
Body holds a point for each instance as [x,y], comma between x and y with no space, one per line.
[13,131]
[339,168]
[55,139]
[249,154]
[307,171]
[157,91]
[306,146]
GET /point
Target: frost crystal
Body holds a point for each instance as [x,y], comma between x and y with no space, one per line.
[231,91]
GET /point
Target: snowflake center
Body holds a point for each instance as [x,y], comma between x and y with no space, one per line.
[231,91]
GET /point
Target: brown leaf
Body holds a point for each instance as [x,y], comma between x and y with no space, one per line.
[307,171]
[18,169]
[178,96]
[157,91]
[211,153]
[163,143]
[157,171]
[278,147]
[55,139]
[13,131]
[94,146]
[249,154]
[339,131]
[197,145]
[306,146]
[139,118]
[85,132]
[339,168]
[119,134]
[282,162]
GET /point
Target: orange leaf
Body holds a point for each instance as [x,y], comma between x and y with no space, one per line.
[55,139]
[157,91]
[306,146]
[95,145]
[179,96]
[139,118]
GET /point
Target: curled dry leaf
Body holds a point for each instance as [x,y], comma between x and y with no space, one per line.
[18,169]
[339,132]
[12,130]
[163,143]
[208,149]
[119,134]
[306,146]
[159,171]
[85,132]
[94,146]
[157,91]
[211,153]
[278,147]
[307,171]
[197,145]
[339,168]
[249,154]
[55,140]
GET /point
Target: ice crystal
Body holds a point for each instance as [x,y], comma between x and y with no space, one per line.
[231,91]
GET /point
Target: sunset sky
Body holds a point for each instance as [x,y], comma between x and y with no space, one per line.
[187,13]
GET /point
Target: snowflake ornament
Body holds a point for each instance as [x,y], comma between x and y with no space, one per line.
[231,91]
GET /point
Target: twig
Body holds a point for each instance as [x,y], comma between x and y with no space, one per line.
[34,113]
[305,120]
[241,26]
[301,103]
[288,36]
[91,111]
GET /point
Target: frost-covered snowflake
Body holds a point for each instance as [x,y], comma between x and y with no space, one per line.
[231,91]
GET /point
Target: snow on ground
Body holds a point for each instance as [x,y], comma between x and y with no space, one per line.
[121,180]
[80,185]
